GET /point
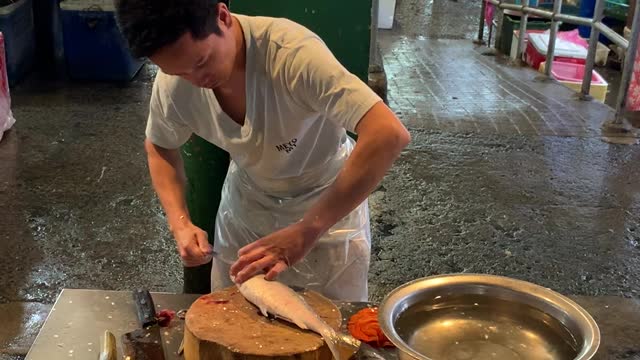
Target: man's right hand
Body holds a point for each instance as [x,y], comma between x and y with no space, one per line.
[167,175]
[193,244]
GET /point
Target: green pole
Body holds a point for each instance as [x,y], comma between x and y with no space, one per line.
[206,167]
[345,26]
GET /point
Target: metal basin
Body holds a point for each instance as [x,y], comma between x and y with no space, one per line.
[479,317]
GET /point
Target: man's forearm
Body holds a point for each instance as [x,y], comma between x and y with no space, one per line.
[167,176]
[378,146]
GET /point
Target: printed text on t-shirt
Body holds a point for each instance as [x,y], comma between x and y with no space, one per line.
[288,147]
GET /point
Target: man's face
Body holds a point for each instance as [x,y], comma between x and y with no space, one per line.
[206,63]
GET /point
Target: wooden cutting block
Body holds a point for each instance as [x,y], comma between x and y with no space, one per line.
[225,326]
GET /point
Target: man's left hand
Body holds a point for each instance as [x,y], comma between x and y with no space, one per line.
[274,253]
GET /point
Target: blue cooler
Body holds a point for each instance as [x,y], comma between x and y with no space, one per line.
[94,48]
[615,8]
[16,24]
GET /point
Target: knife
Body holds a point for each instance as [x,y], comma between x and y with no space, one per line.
[108,350]
[144,343]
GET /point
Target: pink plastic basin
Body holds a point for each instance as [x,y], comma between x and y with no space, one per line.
[563,71]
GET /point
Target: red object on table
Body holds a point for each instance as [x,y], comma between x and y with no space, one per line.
[364,326]
[165,317]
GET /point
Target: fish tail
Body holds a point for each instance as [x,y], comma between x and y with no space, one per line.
[342,346]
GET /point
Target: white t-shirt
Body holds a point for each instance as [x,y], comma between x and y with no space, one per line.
[300,100]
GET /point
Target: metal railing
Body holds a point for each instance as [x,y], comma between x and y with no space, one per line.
[597,28]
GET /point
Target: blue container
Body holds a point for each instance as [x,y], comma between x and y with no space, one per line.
[587,8]
[612,17]
[16,24]
[547,4]
[94,48]
[532,3]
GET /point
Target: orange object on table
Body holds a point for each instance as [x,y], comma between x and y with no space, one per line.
[365,327]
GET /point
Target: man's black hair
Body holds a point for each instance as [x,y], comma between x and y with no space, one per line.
[149,25]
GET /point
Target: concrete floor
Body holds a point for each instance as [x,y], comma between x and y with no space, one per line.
[79,210]
[505,175]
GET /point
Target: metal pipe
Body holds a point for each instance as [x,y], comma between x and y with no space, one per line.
[373,40]
[596,26]
[523,31]
[481,27]
[545,14]
[490,33]
[629,60]
[577,20]
[510,7]
[539,12]
[557,8]
[593,45]
[612,35]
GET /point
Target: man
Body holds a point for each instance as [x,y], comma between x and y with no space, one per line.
[269,92]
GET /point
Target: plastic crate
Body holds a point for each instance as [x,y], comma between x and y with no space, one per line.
[571,76]
[16,23]
[94,48]
[536,51]
[616,9]
[516,38]
[511,23]
[615,15]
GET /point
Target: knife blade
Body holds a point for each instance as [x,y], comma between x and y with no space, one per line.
[144,343]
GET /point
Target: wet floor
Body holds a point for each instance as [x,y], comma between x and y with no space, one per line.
[505,175]
[77,208]
[437,19]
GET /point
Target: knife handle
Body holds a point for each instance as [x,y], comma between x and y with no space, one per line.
[145,308]
[109,351]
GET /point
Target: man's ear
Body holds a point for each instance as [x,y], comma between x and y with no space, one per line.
[224,14]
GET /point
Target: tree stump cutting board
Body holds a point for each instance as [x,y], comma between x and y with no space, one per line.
[223,325]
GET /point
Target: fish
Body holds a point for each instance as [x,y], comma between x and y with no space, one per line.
[279,300]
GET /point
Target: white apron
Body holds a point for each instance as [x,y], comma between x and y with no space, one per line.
[252,208]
